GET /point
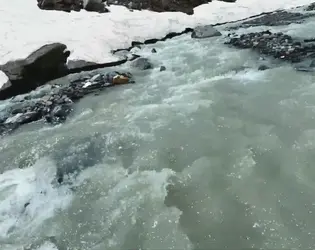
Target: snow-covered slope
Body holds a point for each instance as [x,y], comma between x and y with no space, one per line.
[91,36]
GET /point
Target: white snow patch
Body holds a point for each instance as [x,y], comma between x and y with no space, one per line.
[92,36]
[3,80]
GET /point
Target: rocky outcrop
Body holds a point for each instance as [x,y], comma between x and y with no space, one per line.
[46,63]
[96,6]
[310,7]
[185,6]
[62,5]
[277,45]
[54,102]
[72,5]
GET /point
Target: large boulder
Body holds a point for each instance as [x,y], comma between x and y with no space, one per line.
[185,6]
[62,5]
[44,64]
[73,5]
[95,5]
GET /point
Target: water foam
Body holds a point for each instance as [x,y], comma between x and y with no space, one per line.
[28,199]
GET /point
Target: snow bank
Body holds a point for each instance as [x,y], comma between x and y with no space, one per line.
[91,36]
[3,80]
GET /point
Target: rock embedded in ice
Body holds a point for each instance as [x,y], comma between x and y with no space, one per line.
[205,32]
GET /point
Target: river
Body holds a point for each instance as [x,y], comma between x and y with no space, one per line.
[209,154]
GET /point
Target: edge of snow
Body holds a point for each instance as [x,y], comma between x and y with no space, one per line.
[92,36]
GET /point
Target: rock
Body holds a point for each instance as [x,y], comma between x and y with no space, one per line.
[205,32]
[263,67]
[153,50]
[59,113]
[310,7]
[60,5]
[96,7]
[44,64]
[133,57]
[55,104]
[277,45]
[142,64]
[185,6]
[76,66]
[79,64]
[228,1]
[162,68]
[23,118]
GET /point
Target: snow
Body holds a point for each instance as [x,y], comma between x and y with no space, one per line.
[92,36]
[3,80]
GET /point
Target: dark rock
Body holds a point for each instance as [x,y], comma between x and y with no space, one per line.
[46,63]
[76,66]
[96,7]
[153,50]
[310,7]
[277,45]
[185,6]
[162,68]
[60,5]
[133,57]
[263,67]
[57,102]
[60,112]
[205,32]
[142,64]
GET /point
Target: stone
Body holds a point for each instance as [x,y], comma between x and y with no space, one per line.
[277,45]
[310,7]
[142,63]
[153,50]
[44,64]
[185,6]
[96,7]
[60,5]
[162,68]
[263,67]
[205,32]
[23,118]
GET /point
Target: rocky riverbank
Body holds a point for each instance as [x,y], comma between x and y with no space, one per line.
[54,102]
[296,50]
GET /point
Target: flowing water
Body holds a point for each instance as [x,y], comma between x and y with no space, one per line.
[209,154]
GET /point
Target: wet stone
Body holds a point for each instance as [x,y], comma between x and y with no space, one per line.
[277,45]
[55,106]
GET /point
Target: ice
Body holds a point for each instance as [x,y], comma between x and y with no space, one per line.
[91,36]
